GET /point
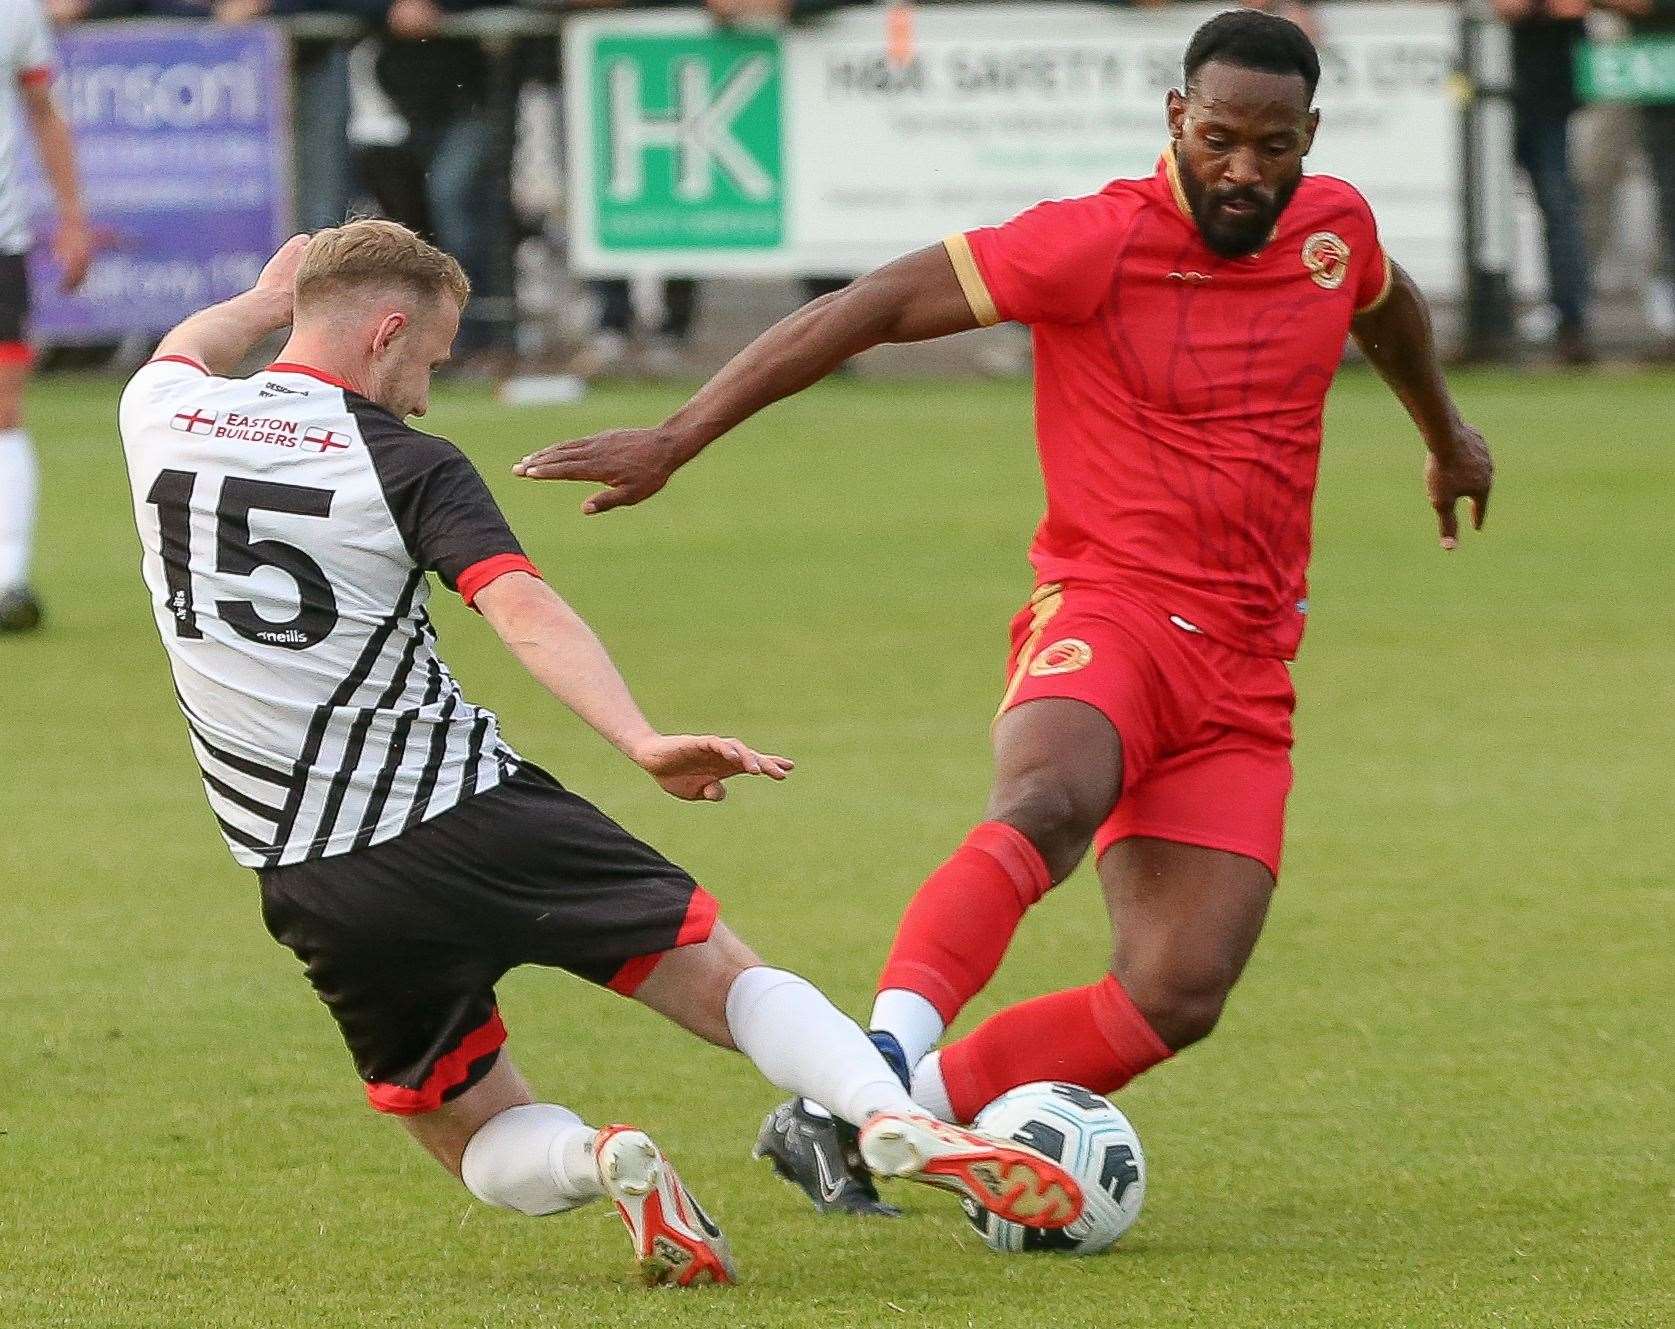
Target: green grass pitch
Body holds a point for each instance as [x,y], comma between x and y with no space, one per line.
[1441,1097]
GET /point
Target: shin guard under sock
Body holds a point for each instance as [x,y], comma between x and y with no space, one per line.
[957,928]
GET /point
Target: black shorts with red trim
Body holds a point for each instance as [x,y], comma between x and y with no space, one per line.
[405,940]
[14,309]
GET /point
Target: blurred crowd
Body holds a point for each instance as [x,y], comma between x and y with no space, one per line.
[1575,183]
[400,122]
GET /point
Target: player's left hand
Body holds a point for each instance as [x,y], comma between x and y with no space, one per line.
[693,766]
[72,246]
[1461,468]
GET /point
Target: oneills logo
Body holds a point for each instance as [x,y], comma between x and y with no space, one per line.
[1064,656]
[1326,257]
[1190,278]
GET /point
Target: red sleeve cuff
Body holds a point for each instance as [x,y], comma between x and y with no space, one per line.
[177,360]
[29,78]
[470,583]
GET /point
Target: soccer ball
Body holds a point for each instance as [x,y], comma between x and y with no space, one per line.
[1093,1141]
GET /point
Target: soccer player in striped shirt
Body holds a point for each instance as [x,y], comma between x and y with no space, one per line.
[26,72]
[1186,328]
[408,856]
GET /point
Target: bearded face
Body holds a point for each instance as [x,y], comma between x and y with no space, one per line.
[1240,136]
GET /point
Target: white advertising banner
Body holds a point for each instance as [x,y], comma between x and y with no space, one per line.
[694,150]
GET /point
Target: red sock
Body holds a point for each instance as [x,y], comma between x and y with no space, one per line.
[958,926]
[1093,1036]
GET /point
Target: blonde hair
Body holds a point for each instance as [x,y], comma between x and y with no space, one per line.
[375,253]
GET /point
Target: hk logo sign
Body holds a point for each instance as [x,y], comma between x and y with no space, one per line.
[687,143]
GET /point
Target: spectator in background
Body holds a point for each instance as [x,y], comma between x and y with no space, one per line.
[1656,18]
[324,176]
[1545,35]
[226,11]
[607,350]
[436,179]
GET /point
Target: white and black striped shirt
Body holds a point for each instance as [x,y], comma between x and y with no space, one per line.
[26,56]
[288,525]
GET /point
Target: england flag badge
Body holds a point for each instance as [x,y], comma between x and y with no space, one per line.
[319,439]
[194,421]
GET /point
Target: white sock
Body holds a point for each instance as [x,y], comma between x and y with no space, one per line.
[19,484]
[807,1046]
[535,1159]
[928,1090]
[915,1023]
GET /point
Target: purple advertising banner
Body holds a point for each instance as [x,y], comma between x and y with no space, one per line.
[183,145]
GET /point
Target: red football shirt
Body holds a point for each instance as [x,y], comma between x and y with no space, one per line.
[1179,394]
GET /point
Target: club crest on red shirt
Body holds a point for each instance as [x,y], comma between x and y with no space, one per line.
[1326,256]
[1064,656]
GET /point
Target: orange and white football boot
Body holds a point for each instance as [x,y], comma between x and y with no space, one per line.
[675,1241]
[1010,1180]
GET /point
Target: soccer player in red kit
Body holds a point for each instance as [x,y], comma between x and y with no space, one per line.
[1186,329]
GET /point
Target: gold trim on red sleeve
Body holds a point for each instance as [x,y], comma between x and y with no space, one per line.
[1384,291]
[971,280]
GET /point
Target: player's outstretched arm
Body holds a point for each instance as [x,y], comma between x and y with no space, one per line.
[562,653]
[916,298]
[222,335]
[1396,336]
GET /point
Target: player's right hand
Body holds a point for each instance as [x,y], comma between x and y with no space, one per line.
[72,246]
[633,464]
[693,766]
[279,273]
[1463,469]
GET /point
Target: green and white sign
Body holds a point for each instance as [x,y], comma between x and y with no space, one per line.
[686,141]
[695,150]
[1631,71]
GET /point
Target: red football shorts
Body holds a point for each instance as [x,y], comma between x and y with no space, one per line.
[1206,730]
